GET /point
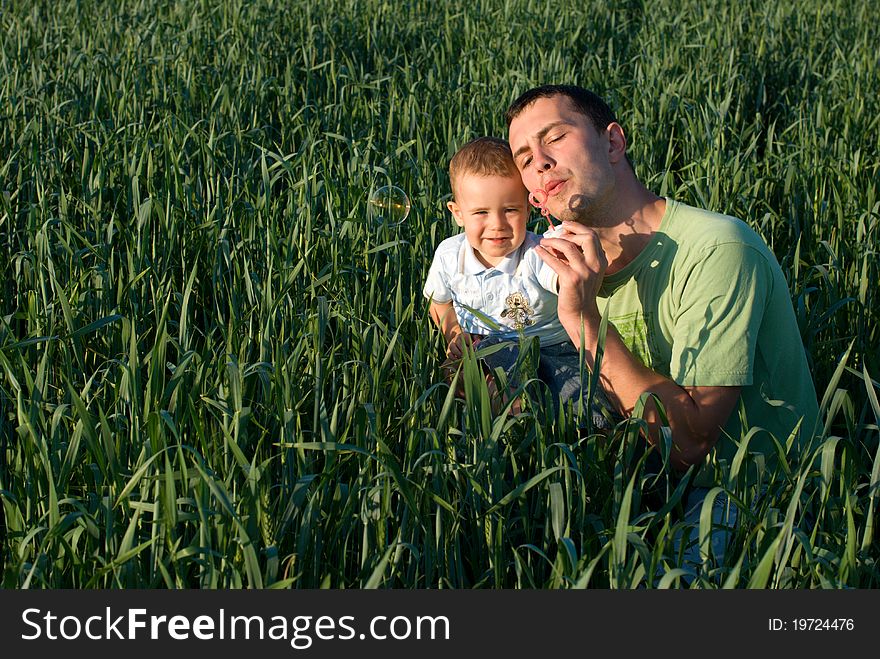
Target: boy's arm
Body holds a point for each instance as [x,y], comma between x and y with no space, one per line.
[545,275]
[443,314]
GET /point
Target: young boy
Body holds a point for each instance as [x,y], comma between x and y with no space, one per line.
[491,271]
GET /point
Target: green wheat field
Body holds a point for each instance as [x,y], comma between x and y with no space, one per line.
[217,371]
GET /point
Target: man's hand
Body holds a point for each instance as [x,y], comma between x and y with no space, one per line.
[579,261]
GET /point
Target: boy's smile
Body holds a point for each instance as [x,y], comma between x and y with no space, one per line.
[493,211]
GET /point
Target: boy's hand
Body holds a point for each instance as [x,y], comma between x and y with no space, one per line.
[454,352]
[455,349]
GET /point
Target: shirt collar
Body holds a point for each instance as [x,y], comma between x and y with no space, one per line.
[469,264]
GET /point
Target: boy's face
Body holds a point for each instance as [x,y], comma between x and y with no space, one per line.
[493,211]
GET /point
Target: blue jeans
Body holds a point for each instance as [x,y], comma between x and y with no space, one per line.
[559,368]
[724,518]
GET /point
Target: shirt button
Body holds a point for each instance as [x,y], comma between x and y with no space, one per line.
[490,296]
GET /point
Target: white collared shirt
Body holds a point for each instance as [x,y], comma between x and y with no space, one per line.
[518,294]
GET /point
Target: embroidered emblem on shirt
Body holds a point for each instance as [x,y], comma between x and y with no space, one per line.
[518,310]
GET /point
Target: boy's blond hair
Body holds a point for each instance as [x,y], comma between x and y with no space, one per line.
[484,156]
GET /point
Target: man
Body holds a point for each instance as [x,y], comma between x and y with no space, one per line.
[699,310]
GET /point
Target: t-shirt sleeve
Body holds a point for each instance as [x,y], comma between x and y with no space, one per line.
[545,275]
[720,312]
[436,285]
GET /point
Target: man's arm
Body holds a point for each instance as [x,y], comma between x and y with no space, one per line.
[695,414]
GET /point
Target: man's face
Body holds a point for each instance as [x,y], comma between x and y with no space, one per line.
[558,150]
[493,211]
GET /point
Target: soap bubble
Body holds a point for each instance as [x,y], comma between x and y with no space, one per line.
[389,206]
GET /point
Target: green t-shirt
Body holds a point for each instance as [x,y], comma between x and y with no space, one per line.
[706,304]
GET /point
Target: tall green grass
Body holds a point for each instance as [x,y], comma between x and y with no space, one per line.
[216,372]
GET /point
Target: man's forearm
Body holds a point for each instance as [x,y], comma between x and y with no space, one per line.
[695,422]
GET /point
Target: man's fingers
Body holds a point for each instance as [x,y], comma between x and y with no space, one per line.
[564,245]
[568,253]
[550,257]
[582,248]
[576,228]
[580,235]
[577,233]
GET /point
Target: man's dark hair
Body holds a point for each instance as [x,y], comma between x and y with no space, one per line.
[583,100]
